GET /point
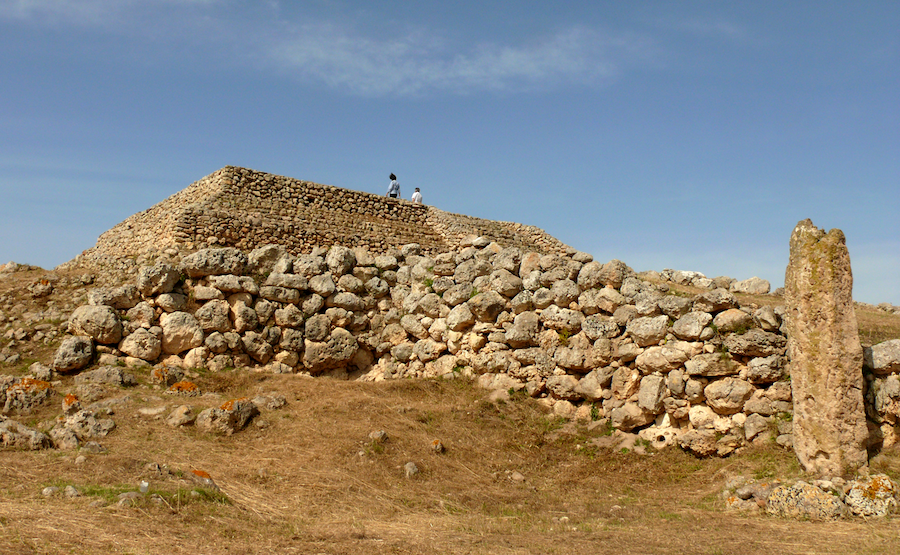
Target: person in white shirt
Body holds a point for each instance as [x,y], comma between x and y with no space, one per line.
[417,196]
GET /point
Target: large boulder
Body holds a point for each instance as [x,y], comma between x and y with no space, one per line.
[804,501]
[829,425]
[141,344]
[26,394]
[648,330]
[232,416]
[74,353]
[883,358]
[755,343]
[214,262]
[872,496]
[335,351]
[728,395]
[157,279]
[752,286]
[98,322]
[181,331]
[14,435]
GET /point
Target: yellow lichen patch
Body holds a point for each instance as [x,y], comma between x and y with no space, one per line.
[879,487]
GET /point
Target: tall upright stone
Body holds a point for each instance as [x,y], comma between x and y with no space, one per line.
[826,356]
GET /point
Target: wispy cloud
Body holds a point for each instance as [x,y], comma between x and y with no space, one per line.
[417,63]
[346,59]
[83,12]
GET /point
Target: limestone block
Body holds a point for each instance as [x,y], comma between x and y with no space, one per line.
[830,430]
[883,358]
[98,322]
[73,354]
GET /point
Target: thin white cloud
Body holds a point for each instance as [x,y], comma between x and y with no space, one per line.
[345,58]
[82,12]
[418,63]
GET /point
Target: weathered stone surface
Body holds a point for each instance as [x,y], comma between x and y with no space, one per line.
[755,343]
[257,347]
[674,307]
[592,385]
[711,365]
[733,319]
[523,331]
[629,416]
[486,306]
[289,281]
[563,387]
[763,370]
[157,279]
[651,393]
[872,496]
[690,326]
[826,356]
[562,319]
[25,394]
[804,501]
[213,316]
[123,297]
[181,331]
[289,317]
[660,359]
[232,416]
[596,327]
[716,300]
[883,358]
[699,442]
[340,260]
[85,425]
[98,322]
[727,396]
[335,352]
[14,435]
[262,259]
[109,375]
[73,354]
[648,331]
[752,286]
[209,262]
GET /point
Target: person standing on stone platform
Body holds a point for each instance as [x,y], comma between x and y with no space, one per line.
[394,188]
[417,197]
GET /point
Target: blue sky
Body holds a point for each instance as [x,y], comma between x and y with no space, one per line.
[689,135]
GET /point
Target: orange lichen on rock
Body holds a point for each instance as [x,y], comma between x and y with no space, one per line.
[183,388]
[30,385]
[229,405]
[70,403]
[201,474]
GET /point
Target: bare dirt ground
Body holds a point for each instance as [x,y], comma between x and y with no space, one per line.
[306,478]
[311,481]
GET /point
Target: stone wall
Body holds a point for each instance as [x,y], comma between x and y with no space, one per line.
[590,340]
[245,209]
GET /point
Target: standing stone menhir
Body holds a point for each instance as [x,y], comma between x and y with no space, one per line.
[826,356]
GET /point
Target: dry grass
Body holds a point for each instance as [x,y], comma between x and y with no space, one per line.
[313,482]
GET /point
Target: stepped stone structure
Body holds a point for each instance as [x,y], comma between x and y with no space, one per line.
[826,356]
[242,208]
